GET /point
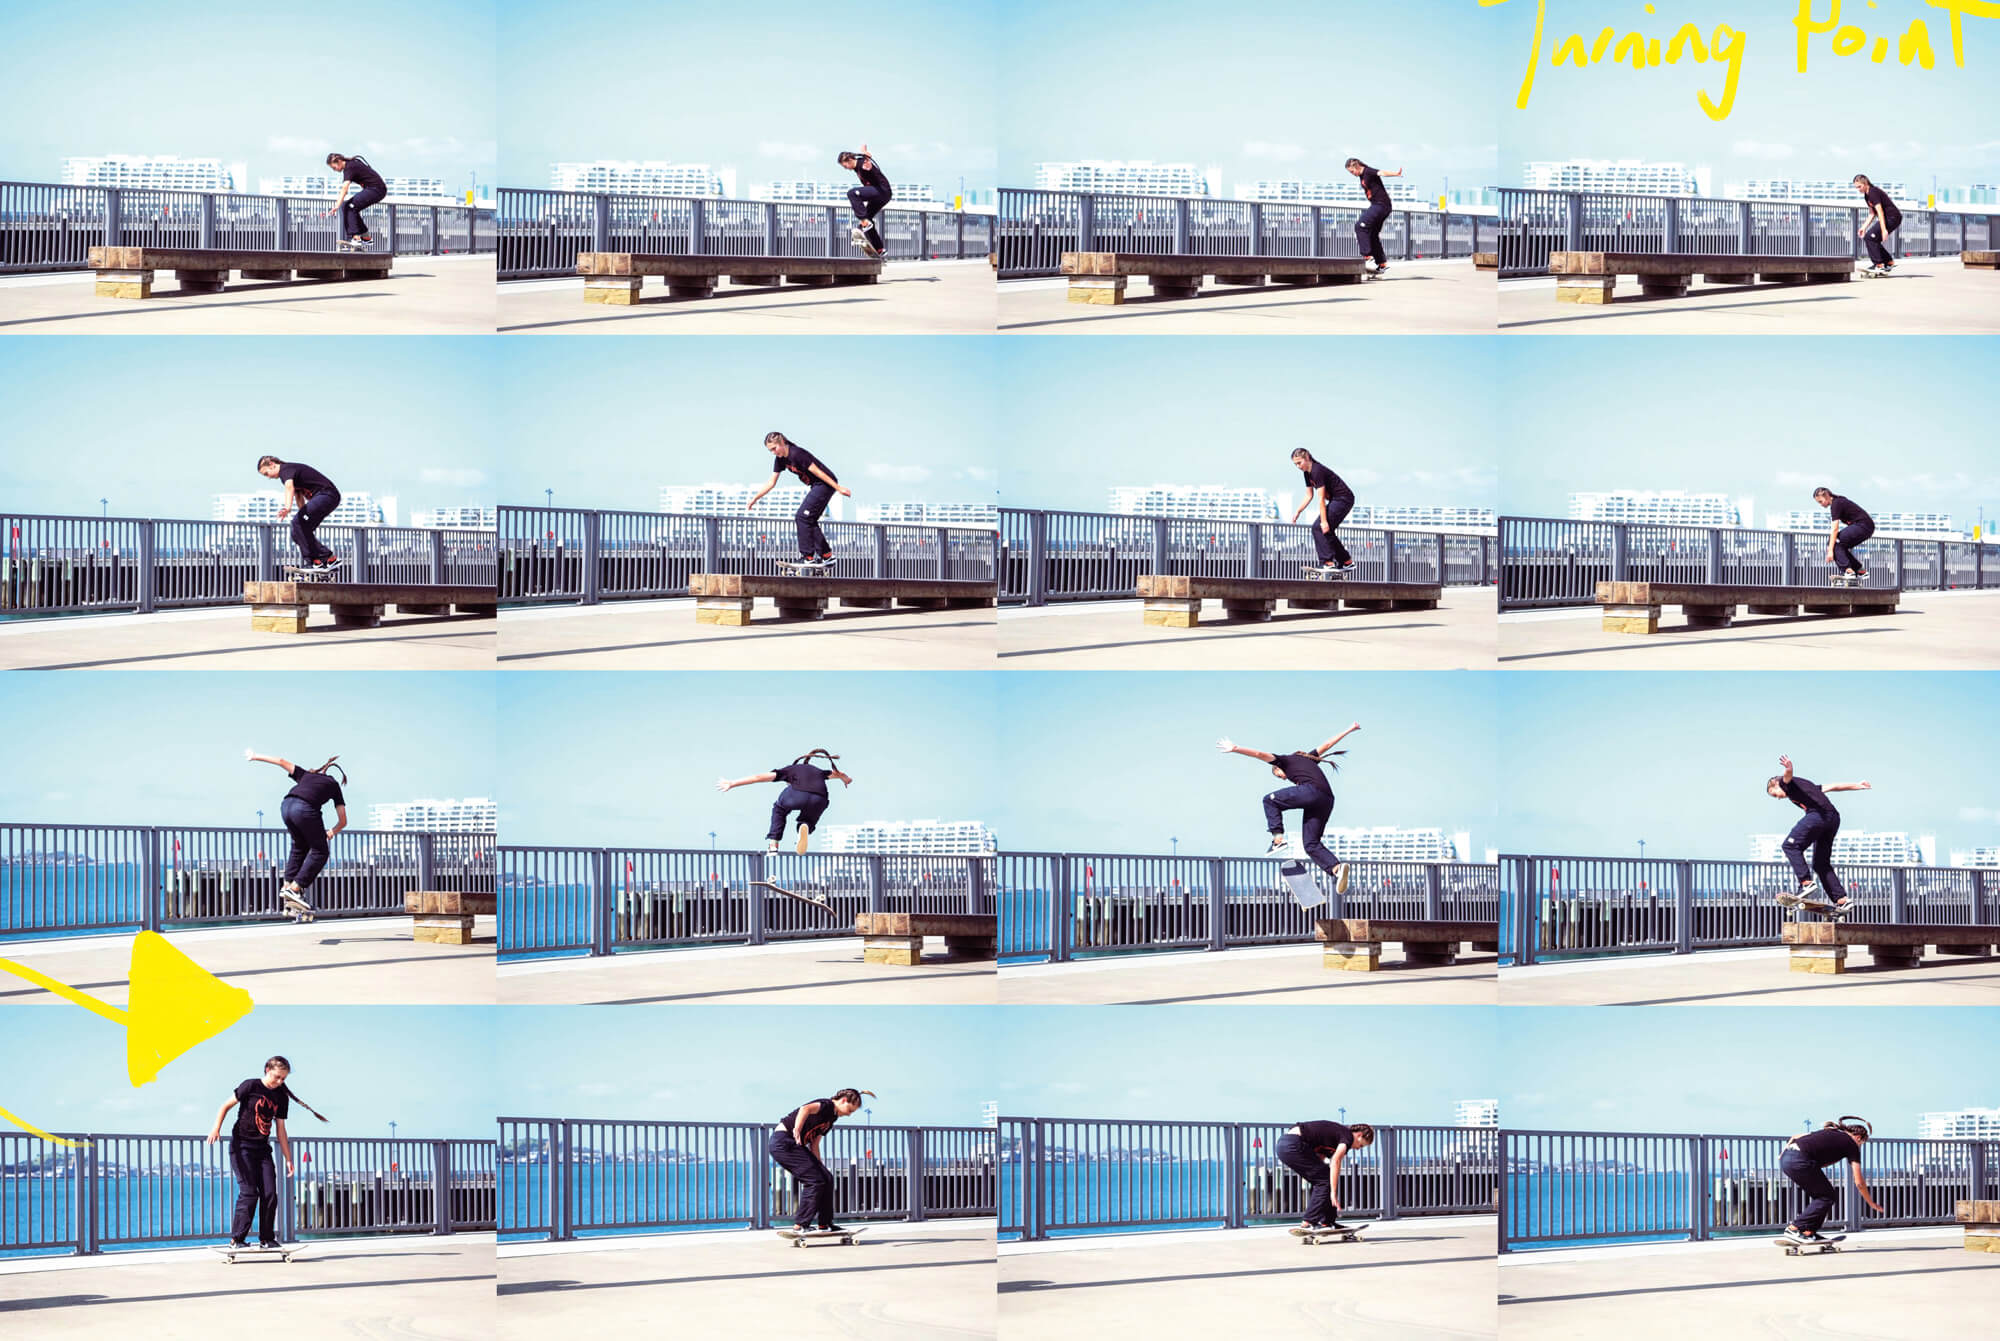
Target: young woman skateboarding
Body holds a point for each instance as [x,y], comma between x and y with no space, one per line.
[1309,793]
[1330,498]
[311,789]
[355,172]
[1368,228]
[794,1143]
[261,1105]
[1307,1149]
[1815,830]
[869,199]
[1883,219]
[805,792]
[1805,1161]
[821,485]
[313,496]
[1851,526]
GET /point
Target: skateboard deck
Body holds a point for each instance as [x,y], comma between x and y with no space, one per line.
[1876,274]
[1829,1244]
[1305,890]
[801,568]
[799,1238]
[303,573]
[1329,1234]
[297,909]
[1315,573]
[232,1254]
[824,905]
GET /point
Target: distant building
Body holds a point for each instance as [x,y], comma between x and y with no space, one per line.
[1210,502]
[1475,520]
[1858,848]
[1673,507]
[166,172]
[1343,190]
[1985,858]
[1909,525]
[834,193]
[328,184]
[1629,176]
[356,508]
[728,499]
[1804,191]
[1478,197]
[1976,194]
[1391,842]
[473,814]
[651,177]
[1476,1113]
[473,518]
[983,515]
[989,1113]
[1966,1124]
[929,838]
[1128,176]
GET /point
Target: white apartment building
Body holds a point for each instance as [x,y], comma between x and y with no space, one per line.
[983,515]
[1476,520]
[472,814]
[1825,191]
[357,508]
[728,499]
[1986,858]
[989,1113]
[473,518]
[926,838]
[327,185]
[1967,1124]
[1979,193]
[159,171]
[1136,176]
[650,177]
[1858,847]
[1675,507]
[1910,525]
[1476,1113]
[1630,176]
[1393,842]
[835,193]
[1210,502]
[1343,190]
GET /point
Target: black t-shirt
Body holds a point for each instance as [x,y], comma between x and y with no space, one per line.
[1829,1145]
[257,1108]
[1807,796]
[316,789]
[805,777]
[820,1122]
[1846,511]
[1876,198]
[1326,1137]
[361,174]
[1371,186]
[1303,771]
[1320,476]
[870,173]
[304,479]
[800,462]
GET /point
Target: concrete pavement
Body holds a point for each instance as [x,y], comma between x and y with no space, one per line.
[1416,298]
[663,635]
[222,639]
[911,298]
[1759,977]
[828,972]
[1284,975]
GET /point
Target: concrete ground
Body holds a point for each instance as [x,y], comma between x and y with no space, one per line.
[1924,297]
[1111,635]
[911,298]
[1931,630]
[899,1282]
[663,635]
[1283,975]
[1416,298]
[222,639]
[333,961]
[828,972]
[422,295]
[1760,977]
[1404,1280]
[413,1289]
[1884,1285]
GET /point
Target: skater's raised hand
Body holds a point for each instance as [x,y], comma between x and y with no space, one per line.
[723,784]
[1226,745]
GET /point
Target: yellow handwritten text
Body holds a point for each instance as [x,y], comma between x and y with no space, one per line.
[1725,44]
[1914,45]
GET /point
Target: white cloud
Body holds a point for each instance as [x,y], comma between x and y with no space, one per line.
[979,473]
[315,145]
[1794,479]
[458,477]
[1768,150]
[877,470]
[1273,151]
[793,153]
[1978,814]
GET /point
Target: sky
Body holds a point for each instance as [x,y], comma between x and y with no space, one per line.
[1842,116]
[429,1069]
[1762,417]
[410,419]
[1126,763]
[590,760]
[171,751]
[1738,1070]
[410,87]
[774,91]
[1594,763]
[912,421]
[1405,421]
[1283,88]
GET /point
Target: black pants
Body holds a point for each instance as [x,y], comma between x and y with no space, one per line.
[1327,543]
[1368,231]
[814,1178]
[812,541]
[306,520]
[1815,831]
[869,201]
[1811,1179]
[1294,1155]
[256,1190]
[1317,807]
[1877,253]
[810,805]
[351,223]
[309,850]
[1847,542]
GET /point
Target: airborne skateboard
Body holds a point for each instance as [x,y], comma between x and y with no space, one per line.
[1794,1248]
[296,908]
[232,1254]
[824,905]
[802,567]
[1305,890]
[1327,1234]
[799,1238]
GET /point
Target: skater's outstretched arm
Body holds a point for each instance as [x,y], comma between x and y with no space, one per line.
[1337,739]
[291,499]
[277,761]
[799,1123]
[215,1131]
[757,497]
[838,487]
[339,822]
[724,784]
[284,1143]
[845,781]
[1228,746]
[1846,786]
[1861,1186]
[1786,760]
[1315,498]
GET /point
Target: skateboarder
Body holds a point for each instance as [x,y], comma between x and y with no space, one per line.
[821,485]
[794,1143]
[313,496]
[1805,1161]
[311,789]
[355,171]
[805,792]
[1851,526]
[1315,1151]
[1368,228]
[1330,497]
[261,1107]
[1815,830]
[1883,219]
[1309,793]
[868,199]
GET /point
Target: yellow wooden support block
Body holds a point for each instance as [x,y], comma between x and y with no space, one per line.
[1585,289]
[1631,619]
[734,614]
[1353,956]
[279,618]
[612,291]
[901,951]
[1987,1241]
[443,930]
[1104,290]
[1819,959]
[124,284]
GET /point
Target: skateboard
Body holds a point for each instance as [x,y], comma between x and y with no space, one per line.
[1870,272]
[300,572]
[1319,573]
[1793,1248]
[824,905]
[1328,1234]
[232,1254]
[1846,580]
[799,1238]
[802,567]
[353,244]
[1305,890]
[296,908]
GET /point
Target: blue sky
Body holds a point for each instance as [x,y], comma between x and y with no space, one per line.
[1740,1071]
[608,760]
[1844,115]
[1285,88]
[747,1063]
[172,750]
[1124,763]
[773,91]
[411,419]
[408,86]
[898,419]
[1758,417]
[1402,420]
[427,1068]
[1593,763]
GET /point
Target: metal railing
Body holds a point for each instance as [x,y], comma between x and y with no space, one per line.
[1534,223]
[69,565]
[1095,556]
[1064,906]
[585,555]
[1546,562]
[1567,907]
[1064,1176]
[45,226]
[124,1191]
[1565,1188]
[68,879]
[1036,227]
[567,1178]
[541,232]
[556,900]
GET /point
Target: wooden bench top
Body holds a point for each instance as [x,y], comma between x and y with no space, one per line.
[365,593]
[216,258]
[1486,260]
[1887,933]
[1989,260]
[1651,263]
[448,903]
[1722,593]
[927,924]
[1419,932]
[1144,263]
[918,588]
[641,263]
[1176,586]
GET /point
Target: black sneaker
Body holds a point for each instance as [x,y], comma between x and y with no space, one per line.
[1278,844]
[270,1246]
